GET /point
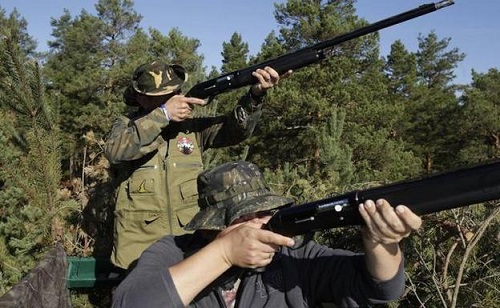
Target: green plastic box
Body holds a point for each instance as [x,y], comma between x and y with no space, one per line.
[90,272]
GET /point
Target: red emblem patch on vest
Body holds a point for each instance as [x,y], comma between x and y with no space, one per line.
[185,145]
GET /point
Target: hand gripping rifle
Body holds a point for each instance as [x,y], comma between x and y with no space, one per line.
[302,57]
[435,193]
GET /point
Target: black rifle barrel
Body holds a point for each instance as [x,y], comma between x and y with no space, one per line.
[423,196]
[385,23]
[304,56]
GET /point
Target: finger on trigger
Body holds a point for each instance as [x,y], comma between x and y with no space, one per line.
[276,239]
[196,101]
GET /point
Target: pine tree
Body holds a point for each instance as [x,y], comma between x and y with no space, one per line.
[89,72]
[479,128]
[349,82]
[15,27]
[401,70]
[32,211]
[432,108]
[234,54]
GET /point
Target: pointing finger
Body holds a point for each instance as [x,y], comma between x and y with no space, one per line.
[195,101]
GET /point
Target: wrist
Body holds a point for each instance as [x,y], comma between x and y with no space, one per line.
[222,252]
[256,93]
[165,112]
[373,246]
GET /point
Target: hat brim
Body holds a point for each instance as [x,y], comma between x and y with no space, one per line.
[165,91]
[131,92]
[214,218]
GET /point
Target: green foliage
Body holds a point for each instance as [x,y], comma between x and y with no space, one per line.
[31,219]
[479,109]
[421,83]
[353,121]
[15,27]
[87,73]
[234,54]
[179,49]
[435,62]
[401,70]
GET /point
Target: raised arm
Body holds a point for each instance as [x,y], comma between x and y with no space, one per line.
[385,228]
[244,245]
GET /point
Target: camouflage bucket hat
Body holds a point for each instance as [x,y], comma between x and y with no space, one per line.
[155,79]
[229,191]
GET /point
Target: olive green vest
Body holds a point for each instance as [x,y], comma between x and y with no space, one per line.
[157,199]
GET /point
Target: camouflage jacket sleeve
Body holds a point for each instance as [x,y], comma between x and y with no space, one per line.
[131,139]
[234,127]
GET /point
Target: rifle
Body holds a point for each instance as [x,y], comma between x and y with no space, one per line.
[432,194]
[302,57]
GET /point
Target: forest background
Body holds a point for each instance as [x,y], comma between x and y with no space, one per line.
[355,120]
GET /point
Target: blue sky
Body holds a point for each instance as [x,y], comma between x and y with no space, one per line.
[472,25]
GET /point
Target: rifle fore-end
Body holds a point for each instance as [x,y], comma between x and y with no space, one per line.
[424,196]
[244,77]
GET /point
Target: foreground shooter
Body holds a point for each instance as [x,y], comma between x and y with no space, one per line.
[216,266]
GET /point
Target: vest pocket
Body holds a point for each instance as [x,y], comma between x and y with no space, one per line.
[134,232]
[144,191]
[188,206]
[189,191]
[144,181]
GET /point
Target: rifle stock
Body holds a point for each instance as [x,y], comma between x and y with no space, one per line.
[423,196]
[302,57]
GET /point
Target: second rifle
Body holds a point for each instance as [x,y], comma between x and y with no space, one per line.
[302,57]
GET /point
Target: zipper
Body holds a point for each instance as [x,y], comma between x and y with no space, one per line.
[169,203]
